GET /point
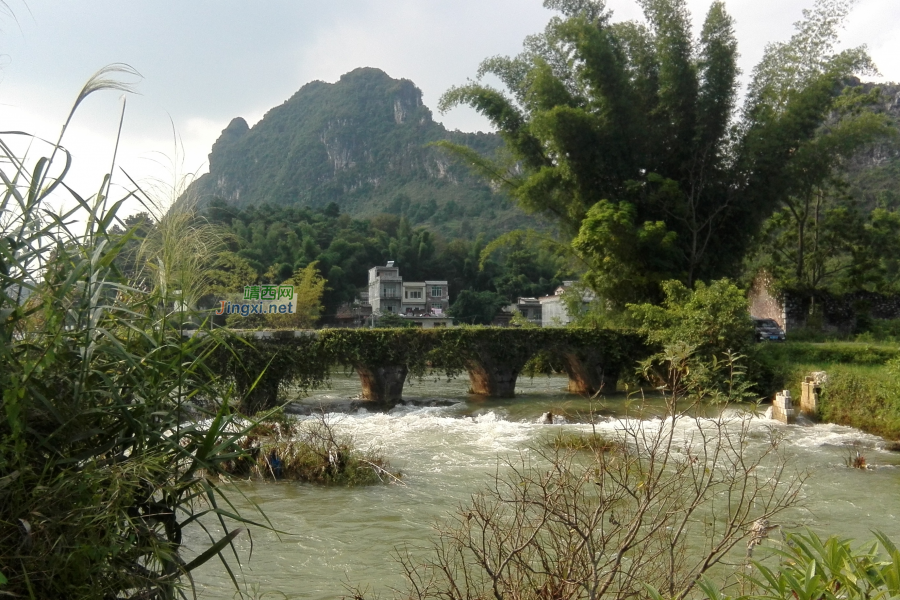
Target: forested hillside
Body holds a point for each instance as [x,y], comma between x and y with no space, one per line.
[363,144]
[642,178]
[270,243]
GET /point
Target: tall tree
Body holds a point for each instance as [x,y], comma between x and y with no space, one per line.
[627,135]
[309,285]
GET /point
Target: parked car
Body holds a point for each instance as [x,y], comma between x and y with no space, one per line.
[768,329]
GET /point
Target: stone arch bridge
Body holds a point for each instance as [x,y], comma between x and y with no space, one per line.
[263,362]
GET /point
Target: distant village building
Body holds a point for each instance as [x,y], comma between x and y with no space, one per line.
[423,302]
[385,287]
[554,312]
[355,314]
[530,308]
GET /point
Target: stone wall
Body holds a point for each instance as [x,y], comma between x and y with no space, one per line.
[840,313]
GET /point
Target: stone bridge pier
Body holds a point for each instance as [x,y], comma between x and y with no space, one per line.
[493,379]
[382,383]
[264,394]
[588,373]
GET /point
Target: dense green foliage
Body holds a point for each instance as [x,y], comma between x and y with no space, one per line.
[476,308]
[843,234]
[100,467]
[806,566]
[711,318]
[269,243]
[865,398]
[363,144]
[622,133]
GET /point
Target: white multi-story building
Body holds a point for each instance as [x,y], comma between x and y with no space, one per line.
[554,312]
[385,289]
[424,302]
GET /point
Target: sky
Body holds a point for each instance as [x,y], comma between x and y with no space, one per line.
[204,62]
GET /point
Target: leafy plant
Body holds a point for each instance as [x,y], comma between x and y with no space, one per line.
[811,568]
[107,453]
[714,318]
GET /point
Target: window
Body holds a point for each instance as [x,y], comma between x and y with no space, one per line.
[413,294]
[436,291]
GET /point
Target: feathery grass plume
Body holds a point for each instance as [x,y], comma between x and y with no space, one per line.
[106,450]
[181,248]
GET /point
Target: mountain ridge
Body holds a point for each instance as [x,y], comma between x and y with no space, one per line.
[363,143]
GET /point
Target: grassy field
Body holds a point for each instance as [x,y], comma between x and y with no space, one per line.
[863,388]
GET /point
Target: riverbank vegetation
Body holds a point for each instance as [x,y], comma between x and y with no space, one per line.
[862,389]
[112,441]
[867,398]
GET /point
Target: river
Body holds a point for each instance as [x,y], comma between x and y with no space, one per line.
[447,444]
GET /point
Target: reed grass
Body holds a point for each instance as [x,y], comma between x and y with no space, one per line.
[100,473]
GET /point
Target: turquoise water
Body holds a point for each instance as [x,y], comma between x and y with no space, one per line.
[448,444]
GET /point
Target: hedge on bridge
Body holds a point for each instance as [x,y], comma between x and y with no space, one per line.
[262,364]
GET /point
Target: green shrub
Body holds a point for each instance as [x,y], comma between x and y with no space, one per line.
[709,323]
[99,466]
[712,318]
